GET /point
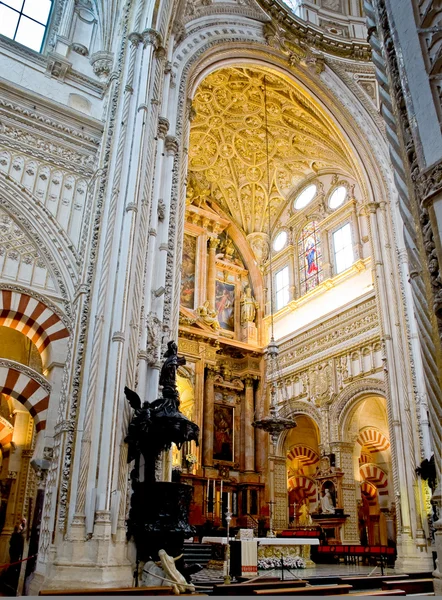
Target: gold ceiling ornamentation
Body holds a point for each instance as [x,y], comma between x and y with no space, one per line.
[227,150]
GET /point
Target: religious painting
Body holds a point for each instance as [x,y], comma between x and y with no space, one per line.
[310,257]
[223,432]
[188,271]
[225,305]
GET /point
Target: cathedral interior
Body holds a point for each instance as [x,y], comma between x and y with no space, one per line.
[228,174]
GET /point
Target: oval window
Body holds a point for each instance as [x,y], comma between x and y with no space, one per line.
[338,197]
[280,241]
[305,197]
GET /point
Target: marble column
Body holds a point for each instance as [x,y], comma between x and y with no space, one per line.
[211,272]
[209,399]
[249,430]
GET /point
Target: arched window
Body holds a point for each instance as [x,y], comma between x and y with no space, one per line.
[310,257]
[25,21]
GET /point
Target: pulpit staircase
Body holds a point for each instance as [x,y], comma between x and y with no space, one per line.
[195,553]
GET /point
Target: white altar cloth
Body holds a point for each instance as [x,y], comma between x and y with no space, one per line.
[267,541]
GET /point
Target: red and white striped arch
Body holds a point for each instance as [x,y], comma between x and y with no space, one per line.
[376,476]
[299,484]
[32,318]
[373,440]
[304,454]
[369,491]
[28,391]
[6,432]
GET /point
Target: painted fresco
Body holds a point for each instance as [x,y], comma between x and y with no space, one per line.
[188,266]
[225,305]
[223,432]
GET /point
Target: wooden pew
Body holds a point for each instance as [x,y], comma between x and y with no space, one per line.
[245,589]
[373,582]
[314,590]
[410,586]
[139,591]
[379,593]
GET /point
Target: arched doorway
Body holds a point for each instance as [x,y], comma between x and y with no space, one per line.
[302,452]
[372,470]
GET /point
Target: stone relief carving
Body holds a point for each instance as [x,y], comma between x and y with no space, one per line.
[260,246]
[154,335]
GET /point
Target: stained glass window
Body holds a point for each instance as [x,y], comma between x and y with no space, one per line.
[25,21]
[310,257]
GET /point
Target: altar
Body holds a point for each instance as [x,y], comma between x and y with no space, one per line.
[274,547]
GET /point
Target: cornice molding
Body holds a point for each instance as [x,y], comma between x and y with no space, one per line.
[40,61]
[310,37]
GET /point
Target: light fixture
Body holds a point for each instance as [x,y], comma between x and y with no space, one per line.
[273,423]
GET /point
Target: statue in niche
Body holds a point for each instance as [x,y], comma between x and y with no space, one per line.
[249,306]
[327,506]
[208,316]
[156,425]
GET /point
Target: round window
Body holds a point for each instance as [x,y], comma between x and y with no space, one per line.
[338,197]
[280,241]
[305,197]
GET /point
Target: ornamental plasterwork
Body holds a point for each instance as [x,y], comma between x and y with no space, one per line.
[361,80]
[27,124]
[62,192]
[358,320]
[20,259]
[227,150]
[195,9]
[311,37]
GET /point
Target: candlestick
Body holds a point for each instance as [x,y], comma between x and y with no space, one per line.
[228,501]
[207,492]
[221,491]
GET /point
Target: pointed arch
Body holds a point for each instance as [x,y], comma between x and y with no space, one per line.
[44,232]
[347,401]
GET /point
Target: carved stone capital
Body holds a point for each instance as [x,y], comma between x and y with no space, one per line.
[163,127]
[79,49]
[151,37]
[135,38]
[102,63]
[213,243]
[171,145]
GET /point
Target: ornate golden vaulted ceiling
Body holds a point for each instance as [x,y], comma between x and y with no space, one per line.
[227,150]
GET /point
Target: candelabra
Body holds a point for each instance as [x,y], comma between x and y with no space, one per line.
[227,549]
[274,424]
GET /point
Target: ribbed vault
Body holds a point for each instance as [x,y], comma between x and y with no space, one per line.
[228,145]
